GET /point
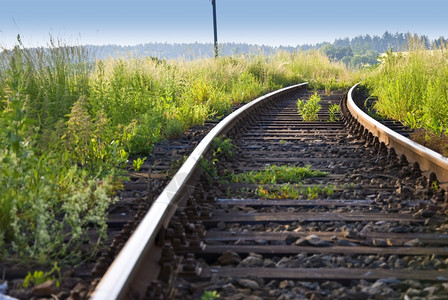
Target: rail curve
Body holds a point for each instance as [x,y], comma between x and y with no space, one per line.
[132,263]
[116,282]
[414,152]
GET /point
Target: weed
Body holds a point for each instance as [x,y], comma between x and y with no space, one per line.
[90,142]
[39,277]
[176,164]
[138,163]
[309,110]
[329,86]
[210,295]
[414,120]
[228,192]
[294,191]
[209,168]
[244,190]
[334,110]
[277,174]
[435,186]
[222,148]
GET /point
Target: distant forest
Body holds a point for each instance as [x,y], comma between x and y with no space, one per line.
[358,51]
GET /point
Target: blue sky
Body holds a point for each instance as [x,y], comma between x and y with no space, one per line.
[274,22]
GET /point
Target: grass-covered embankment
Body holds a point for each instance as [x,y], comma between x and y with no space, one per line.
[412,87]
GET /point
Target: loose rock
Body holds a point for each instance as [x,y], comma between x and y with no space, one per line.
[229,258]
[247,283]
[45,289]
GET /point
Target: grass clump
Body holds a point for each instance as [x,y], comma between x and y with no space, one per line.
[222,148]
[210,295]
[309,110]
[294,191]
[277,174]
[289,178]
[39,277]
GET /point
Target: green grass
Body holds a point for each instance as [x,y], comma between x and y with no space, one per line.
[294,191]
[289,178]
[277,174]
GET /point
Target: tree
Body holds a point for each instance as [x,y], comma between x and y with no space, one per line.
[329,50]
[343,51]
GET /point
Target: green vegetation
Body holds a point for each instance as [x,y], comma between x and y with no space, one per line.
[39,277]
[210,295]
[345,54]
[412,88]
[294,191]
[277,174]
[433,140]
[68,126]
[138,163]
[309,110]
[363,51]
[222,148]
[209,167]
[290,178]
[334,111]
[44,196]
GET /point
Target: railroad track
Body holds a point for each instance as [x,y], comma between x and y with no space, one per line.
[369,225]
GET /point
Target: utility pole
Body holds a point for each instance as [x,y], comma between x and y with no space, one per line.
[215,27]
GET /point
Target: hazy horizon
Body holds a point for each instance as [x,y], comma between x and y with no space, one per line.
[262,22]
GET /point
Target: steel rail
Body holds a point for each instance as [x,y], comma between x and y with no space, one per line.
[117,282]
[428,159]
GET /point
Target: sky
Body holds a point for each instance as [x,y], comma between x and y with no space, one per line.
[263,22]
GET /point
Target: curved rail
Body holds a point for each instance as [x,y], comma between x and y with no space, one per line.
[426,158]
[116,283]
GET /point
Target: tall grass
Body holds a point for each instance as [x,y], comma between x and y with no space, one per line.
[68,125]
[47,202]
[148,99]
[412,87]
[50,79]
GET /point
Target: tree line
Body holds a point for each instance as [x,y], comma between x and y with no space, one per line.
[359,51]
